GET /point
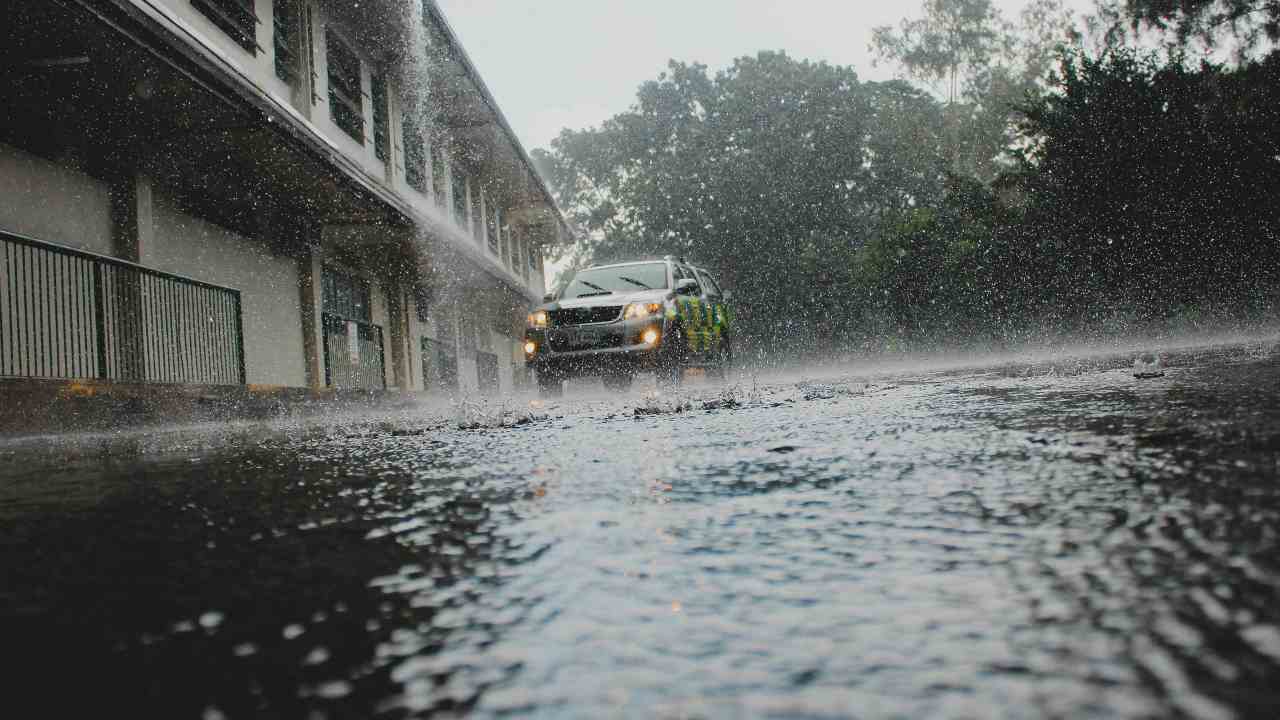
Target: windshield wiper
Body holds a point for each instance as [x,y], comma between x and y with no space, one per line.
[633,281]
[582,295]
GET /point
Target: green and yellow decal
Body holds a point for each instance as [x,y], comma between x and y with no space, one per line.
[705,323]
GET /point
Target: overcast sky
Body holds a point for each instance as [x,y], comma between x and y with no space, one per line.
[553,64]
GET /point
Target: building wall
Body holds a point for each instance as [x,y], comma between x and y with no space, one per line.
[259,70]
[268,286]
[51,202]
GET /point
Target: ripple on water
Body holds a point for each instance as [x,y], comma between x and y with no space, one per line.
[1030,542]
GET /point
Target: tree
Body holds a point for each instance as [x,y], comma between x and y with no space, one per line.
[1152,180]
[772,172]
[983,63]
[952,40]
[1247,22]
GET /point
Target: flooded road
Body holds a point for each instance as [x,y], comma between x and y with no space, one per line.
[1033,539]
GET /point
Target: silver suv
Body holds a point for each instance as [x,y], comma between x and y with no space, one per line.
[619,319]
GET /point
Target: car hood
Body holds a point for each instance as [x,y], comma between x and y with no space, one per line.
[613,299]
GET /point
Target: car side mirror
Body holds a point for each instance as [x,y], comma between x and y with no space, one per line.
[687,286]
[548,298]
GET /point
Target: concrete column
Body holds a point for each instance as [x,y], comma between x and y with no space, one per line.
[132,215]
[398,320]
[310,269]
[132,234]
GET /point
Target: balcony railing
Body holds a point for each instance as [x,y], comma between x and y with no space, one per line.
[70,314]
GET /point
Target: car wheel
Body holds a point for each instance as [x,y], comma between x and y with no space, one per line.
[550,385]
[674,351]
[618,382]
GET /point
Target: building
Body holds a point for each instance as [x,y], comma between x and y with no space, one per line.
[281,193]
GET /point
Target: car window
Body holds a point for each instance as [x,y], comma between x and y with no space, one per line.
[689,274]
[615,279]
[708,284]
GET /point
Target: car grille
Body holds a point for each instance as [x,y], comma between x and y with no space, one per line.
[582,316]
[564,342]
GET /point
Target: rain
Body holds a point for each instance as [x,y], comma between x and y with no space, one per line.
[416,359]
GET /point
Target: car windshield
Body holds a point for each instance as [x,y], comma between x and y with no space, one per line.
[615,279]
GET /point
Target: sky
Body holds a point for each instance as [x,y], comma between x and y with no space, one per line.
[553,64]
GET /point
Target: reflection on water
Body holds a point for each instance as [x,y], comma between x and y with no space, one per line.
[1029,541]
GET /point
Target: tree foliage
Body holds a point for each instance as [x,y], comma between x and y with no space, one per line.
[1134,187]
[983,63]
[1247,22]
[769,172]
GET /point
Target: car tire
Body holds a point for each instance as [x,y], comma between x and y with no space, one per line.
[550,385]
[618,382]
[674,352]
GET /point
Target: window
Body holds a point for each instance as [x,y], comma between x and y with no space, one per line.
[477,221]
[460,199]
[708,284]
[414,154]
[437,174]
[234,17]
[487,373]
[466,333]
[287,35]
[345,100]
[615,278]
[439,365]
[685,273]
[533,258]
[311,55]
[345,296]
[491,225]
[381,121]
[422,302]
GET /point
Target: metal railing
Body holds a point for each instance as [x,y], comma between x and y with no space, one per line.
[353,354]
[71,314]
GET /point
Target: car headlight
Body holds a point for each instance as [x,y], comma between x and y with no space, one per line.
[538,319]
[641,310]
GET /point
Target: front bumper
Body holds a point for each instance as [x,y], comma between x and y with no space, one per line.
[595,349]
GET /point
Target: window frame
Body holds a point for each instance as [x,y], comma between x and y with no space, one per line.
[491,230]
[380,86]
[490,383]
[414,142]
[339,96]
[710,287]
[437,169]
[478,228]
[461,213]
[286,40]
[347,306]
[218,13]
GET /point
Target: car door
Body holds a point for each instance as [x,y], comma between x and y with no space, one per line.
[690,309]
[713,311]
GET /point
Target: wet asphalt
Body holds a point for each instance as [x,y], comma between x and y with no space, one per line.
[1048,537]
